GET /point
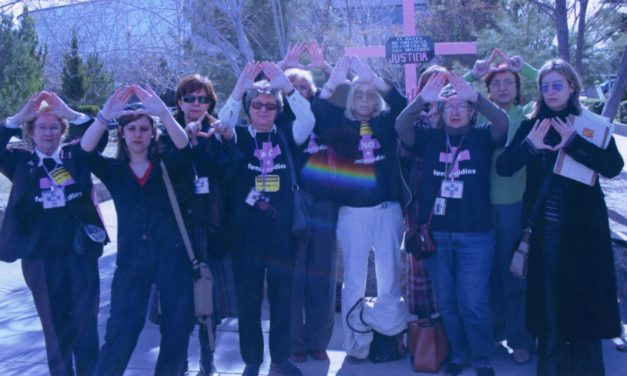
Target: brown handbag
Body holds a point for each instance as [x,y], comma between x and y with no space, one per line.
[427,344]
[518,265]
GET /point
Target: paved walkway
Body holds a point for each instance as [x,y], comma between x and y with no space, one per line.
[22,349]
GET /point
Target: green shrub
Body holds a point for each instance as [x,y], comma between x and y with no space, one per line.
[593,104]
[621,114]
[89,109]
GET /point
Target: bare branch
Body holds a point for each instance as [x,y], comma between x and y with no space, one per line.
[549,10]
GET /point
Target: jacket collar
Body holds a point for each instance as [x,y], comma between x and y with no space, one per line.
[56,155]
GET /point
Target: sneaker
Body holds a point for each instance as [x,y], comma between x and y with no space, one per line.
[251,370]
[455,369]
[298,356]
[319,355]
[285,368]
[485,371]
[521,356]
[354,360]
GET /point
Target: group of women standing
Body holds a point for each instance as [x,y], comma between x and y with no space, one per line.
[235,180]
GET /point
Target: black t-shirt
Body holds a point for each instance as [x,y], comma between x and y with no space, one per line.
[472,212]
[366,166]
[263,168]
[318,174]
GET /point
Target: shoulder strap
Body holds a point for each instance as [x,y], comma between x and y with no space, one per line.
[177,214]
[290,161]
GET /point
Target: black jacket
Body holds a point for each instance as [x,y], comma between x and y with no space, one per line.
[20,166]
[586,306]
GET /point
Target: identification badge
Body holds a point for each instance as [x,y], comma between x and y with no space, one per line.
[53,198]
[253,197]
[452,189]
[439,208]
[202,185]
[61,176]
[271,183]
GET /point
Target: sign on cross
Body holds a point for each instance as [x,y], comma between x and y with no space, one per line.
[409,29]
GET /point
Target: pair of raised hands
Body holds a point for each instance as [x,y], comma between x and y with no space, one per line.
[246,80]
[55,106]
[295,53]
[565,129]
[115,106]
[361,69]
[431,91]
[497,57]
[193,129]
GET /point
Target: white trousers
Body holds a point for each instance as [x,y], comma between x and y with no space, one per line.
[358,231]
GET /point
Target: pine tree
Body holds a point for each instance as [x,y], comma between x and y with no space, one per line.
[22,63]
[73,75]
[99,83]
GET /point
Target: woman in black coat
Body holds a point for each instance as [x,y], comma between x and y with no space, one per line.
[571,295]
[49,207]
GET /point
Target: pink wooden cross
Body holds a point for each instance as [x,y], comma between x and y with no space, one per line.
[409,29]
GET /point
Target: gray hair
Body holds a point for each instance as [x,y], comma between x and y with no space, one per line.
[350,101]
[294,74]
[262,87]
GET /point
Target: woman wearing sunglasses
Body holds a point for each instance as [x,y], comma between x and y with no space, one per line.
[571,291]
[150,246]
[262,202]
[195,99]
[455,202]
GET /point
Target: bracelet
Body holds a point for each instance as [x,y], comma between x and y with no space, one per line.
[102,119]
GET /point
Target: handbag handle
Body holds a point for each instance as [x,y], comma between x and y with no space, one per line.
[361,318]
[177,214]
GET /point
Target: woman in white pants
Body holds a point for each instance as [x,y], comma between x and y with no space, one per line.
[367,186]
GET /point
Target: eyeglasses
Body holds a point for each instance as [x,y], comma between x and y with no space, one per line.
[260,105]
[202,99]
[458,107]
[557,86]
[369,95]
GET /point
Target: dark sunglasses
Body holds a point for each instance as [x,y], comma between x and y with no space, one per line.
[192,98]
[259,106]
[557,86]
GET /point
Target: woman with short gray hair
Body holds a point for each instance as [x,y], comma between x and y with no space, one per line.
[263,205]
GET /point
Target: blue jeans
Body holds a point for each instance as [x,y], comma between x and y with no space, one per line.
[508,292]
[460,270]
